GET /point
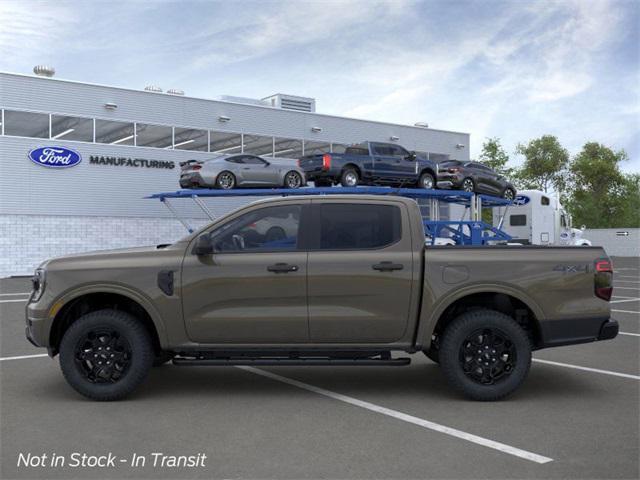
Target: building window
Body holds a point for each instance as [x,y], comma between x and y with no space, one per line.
[71,128]
[26,124]
[313,148]
[190,139]
[114,133]
[287,148]
[225,143]
[258,145]
[157,136]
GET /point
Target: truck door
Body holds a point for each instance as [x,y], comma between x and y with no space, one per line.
[360,272]
[252,289]
[383,160]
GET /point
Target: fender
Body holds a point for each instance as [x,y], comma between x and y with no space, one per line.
[115,288]
[429,318]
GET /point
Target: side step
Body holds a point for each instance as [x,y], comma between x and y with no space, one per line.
[312,361]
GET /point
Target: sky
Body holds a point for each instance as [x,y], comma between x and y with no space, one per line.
[514,70]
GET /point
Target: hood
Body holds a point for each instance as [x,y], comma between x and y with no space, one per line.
[115,255]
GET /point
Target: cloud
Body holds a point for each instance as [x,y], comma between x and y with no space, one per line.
[31,28]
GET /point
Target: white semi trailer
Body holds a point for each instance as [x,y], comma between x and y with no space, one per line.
[537,218]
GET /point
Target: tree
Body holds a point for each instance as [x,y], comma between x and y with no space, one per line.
[600,195]
[495,157]
[545,164]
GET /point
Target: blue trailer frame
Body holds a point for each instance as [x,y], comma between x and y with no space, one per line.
[462,232]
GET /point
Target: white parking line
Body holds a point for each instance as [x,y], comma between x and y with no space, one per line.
[485,442]
[615,287]
[630,334]
[625,311]
[21,357]
[587,369]
[627,281]
[624,268]
[627,276]
[13,294]
[628,299]
[23,300]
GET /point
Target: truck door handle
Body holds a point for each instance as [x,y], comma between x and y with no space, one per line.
[282,268]
[387,266]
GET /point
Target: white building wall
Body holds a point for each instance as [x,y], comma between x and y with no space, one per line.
[28,240]
[618,242]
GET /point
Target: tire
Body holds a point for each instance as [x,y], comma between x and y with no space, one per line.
[162,358]
[292,179]
[226,180]
[92,336]
[500,375]
[427,181]
[468,185]
[508,194]
[349,178]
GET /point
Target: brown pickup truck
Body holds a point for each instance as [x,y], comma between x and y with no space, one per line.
[335,280]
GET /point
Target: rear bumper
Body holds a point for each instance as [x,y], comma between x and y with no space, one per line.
[192,180]
[556,333]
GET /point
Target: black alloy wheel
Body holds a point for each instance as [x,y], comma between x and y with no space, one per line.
[106,354]
[103,355]
[487,356]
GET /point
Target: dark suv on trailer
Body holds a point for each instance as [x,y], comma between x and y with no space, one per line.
[474,177]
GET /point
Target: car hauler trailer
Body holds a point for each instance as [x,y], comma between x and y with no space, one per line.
[438,232]
[537,218]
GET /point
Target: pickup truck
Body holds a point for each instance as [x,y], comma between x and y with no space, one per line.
[349,282]
[370,163]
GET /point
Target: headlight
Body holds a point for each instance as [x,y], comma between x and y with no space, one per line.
[38,282]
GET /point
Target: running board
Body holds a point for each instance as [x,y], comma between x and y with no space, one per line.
[291,361]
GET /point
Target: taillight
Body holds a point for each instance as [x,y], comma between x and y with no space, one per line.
[603,279]
[299,163]
[196,167]
[453,170]
[326,161]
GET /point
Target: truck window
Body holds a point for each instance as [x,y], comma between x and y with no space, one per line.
[518,220]
[544,200]
[357,151]
[358,226]
[265,230]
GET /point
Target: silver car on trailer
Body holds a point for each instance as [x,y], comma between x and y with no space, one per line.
[241,170]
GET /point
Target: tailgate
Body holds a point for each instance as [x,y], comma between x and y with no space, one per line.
[311,163]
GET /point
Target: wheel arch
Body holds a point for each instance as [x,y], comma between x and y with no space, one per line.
[74,305]
[428,170]
[510,302]
[354,166]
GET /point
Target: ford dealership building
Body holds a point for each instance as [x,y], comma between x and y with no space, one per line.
[77,160]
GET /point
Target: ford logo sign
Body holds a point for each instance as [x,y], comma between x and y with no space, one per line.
[521,200]
[55,157]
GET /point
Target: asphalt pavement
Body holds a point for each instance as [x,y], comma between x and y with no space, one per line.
[576,416]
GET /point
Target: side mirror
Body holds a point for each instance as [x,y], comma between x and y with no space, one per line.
[583,228]
[266,164]
[412,156]
[203,246]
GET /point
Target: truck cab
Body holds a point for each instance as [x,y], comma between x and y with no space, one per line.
[537,218]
